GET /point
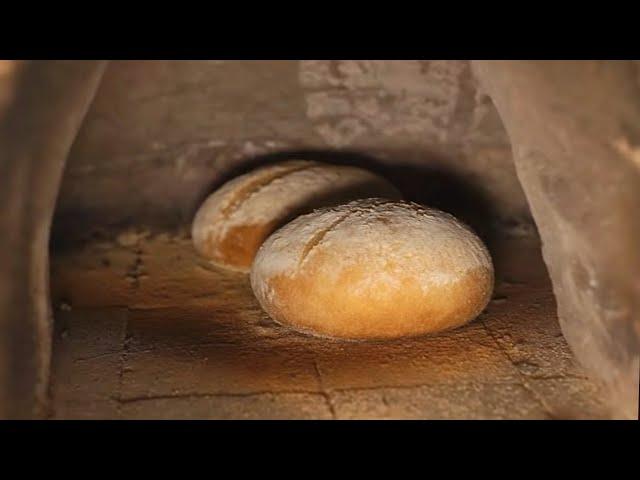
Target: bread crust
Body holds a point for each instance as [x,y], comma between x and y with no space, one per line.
[232,222]
[373,269]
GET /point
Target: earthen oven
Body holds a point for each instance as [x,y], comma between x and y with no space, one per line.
[106,311]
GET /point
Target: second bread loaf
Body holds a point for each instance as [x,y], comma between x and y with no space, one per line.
[233,222]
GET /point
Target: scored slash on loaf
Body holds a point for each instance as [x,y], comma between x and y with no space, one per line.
[373,269]
[233,222]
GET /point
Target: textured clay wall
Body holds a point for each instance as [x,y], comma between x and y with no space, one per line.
[161,134]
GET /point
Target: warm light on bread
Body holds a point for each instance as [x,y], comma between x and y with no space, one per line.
[233,222]
[373,269]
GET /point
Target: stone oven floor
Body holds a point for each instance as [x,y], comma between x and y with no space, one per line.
[145,329]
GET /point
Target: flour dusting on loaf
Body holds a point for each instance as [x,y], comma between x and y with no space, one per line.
[232,223]
[367,252]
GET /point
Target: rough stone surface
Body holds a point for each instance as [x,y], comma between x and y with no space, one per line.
[161,135]
[265,406]
[186,340]
[461,401]
[42,105]
[87,361]
[574,130]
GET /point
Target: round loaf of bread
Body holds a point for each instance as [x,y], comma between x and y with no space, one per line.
[233,222]
[373,269]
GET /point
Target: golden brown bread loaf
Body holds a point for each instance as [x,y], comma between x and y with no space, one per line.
[233,222]
[373,269]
